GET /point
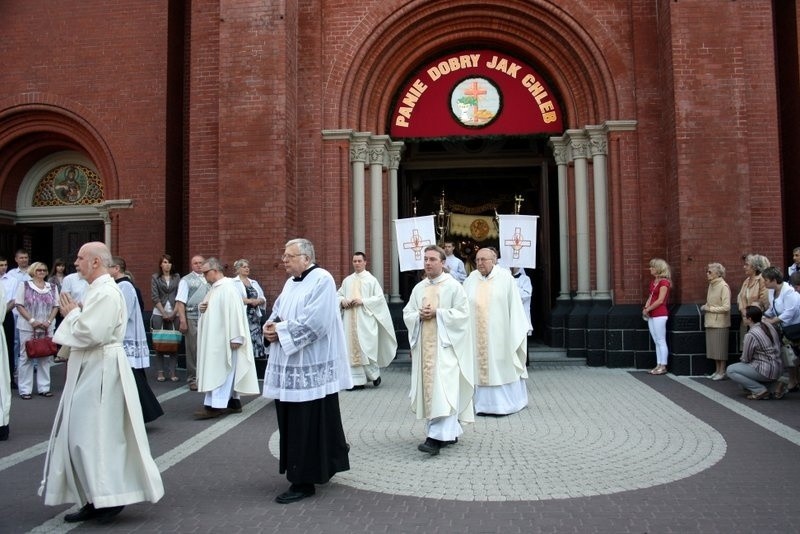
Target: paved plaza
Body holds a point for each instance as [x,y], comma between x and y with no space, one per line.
[597,450]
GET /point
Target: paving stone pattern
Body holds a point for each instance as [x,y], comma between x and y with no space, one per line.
[598,450]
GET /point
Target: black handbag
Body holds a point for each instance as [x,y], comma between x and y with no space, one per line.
[791,332]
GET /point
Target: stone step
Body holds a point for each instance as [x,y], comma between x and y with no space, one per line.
[537,353]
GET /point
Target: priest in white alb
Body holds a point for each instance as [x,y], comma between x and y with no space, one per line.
[5,377]
[369,332]
[437,317]
[98,454]
[500,337]
[226,366]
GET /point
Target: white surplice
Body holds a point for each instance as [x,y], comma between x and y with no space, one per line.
[98,449]
[441,352]
[369,331]
[309,360]
[135,340]
[224,321]
[500,342]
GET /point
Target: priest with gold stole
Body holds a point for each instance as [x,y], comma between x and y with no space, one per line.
[499,336]
[369,332]
[437,317]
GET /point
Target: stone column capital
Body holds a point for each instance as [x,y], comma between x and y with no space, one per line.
[560,150]
[578,143]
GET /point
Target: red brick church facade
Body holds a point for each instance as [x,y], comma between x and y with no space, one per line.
[227,127]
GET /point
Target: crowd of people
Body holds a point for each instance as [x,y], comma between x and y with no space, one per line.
[467,336]
[769,335]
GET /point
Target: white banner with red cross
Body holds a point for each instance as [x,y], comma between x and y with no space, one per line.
[413,235]
[518,240]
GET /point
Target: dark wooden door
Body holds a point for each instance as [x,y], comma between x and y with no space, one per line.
[69,237]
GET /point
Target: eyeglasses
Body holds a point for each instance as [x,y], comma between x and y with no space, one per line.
[290,256]
[41,270]
[708,272]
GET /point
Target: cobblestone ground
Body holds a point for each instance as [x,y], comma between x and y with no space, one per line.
[597,450]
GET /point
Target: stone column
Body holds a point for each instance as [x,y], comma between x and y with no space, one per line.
[377,154]
[598,145]
[579,147]
[358,157]
[395,150]
[559,145]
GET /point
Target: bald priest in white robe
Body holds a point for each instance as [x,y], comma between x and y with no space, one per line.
[226,365]
[369,331]
[500,337]
[98,454]
[437,317]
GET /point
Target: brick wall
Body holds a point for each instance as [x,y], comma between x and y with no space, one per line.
[229,159]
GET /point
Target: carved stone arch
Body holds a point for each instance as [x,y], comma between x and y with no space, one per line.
[35,126]
[26,210]
[576,57]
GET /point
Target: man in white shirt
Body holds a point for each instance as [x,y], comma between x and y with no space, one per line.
[11,281]
[192,290]
[74,286]
[453,264]
[795,266]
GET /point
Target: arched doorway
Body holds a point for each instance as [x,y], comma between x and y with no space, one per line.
[482,177]
[57,177]
[59,207]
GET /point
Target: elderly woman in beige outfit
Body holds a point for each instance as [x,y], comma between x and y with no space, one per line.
[717,322]
[754,289]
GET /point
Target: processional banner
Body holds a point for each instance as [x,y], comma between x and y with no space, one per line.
[518,240]
[413,235]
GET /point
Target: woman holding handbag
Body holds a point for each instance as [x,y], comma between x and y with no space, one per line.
[37,305]
[163,290]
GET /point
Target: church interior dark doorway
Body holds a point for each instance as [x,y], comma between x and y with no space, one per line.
[482,177]
[47,241]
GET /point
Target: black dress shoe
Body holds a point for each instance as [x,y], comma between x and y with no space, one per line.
[376,382]
[87,512]
[235,406]
[4,433]
[451,442]
[355,388]
[296,492]
[107,515]
[431,446]
[210,413]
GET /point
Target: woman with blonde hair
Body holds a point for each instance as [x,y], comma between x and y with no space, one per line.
[717,320]
[255,303]
[655,312]
[37,305]
[754,290]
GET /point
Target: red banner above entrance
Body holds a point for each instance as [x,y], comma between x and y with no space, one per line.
[476,93]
